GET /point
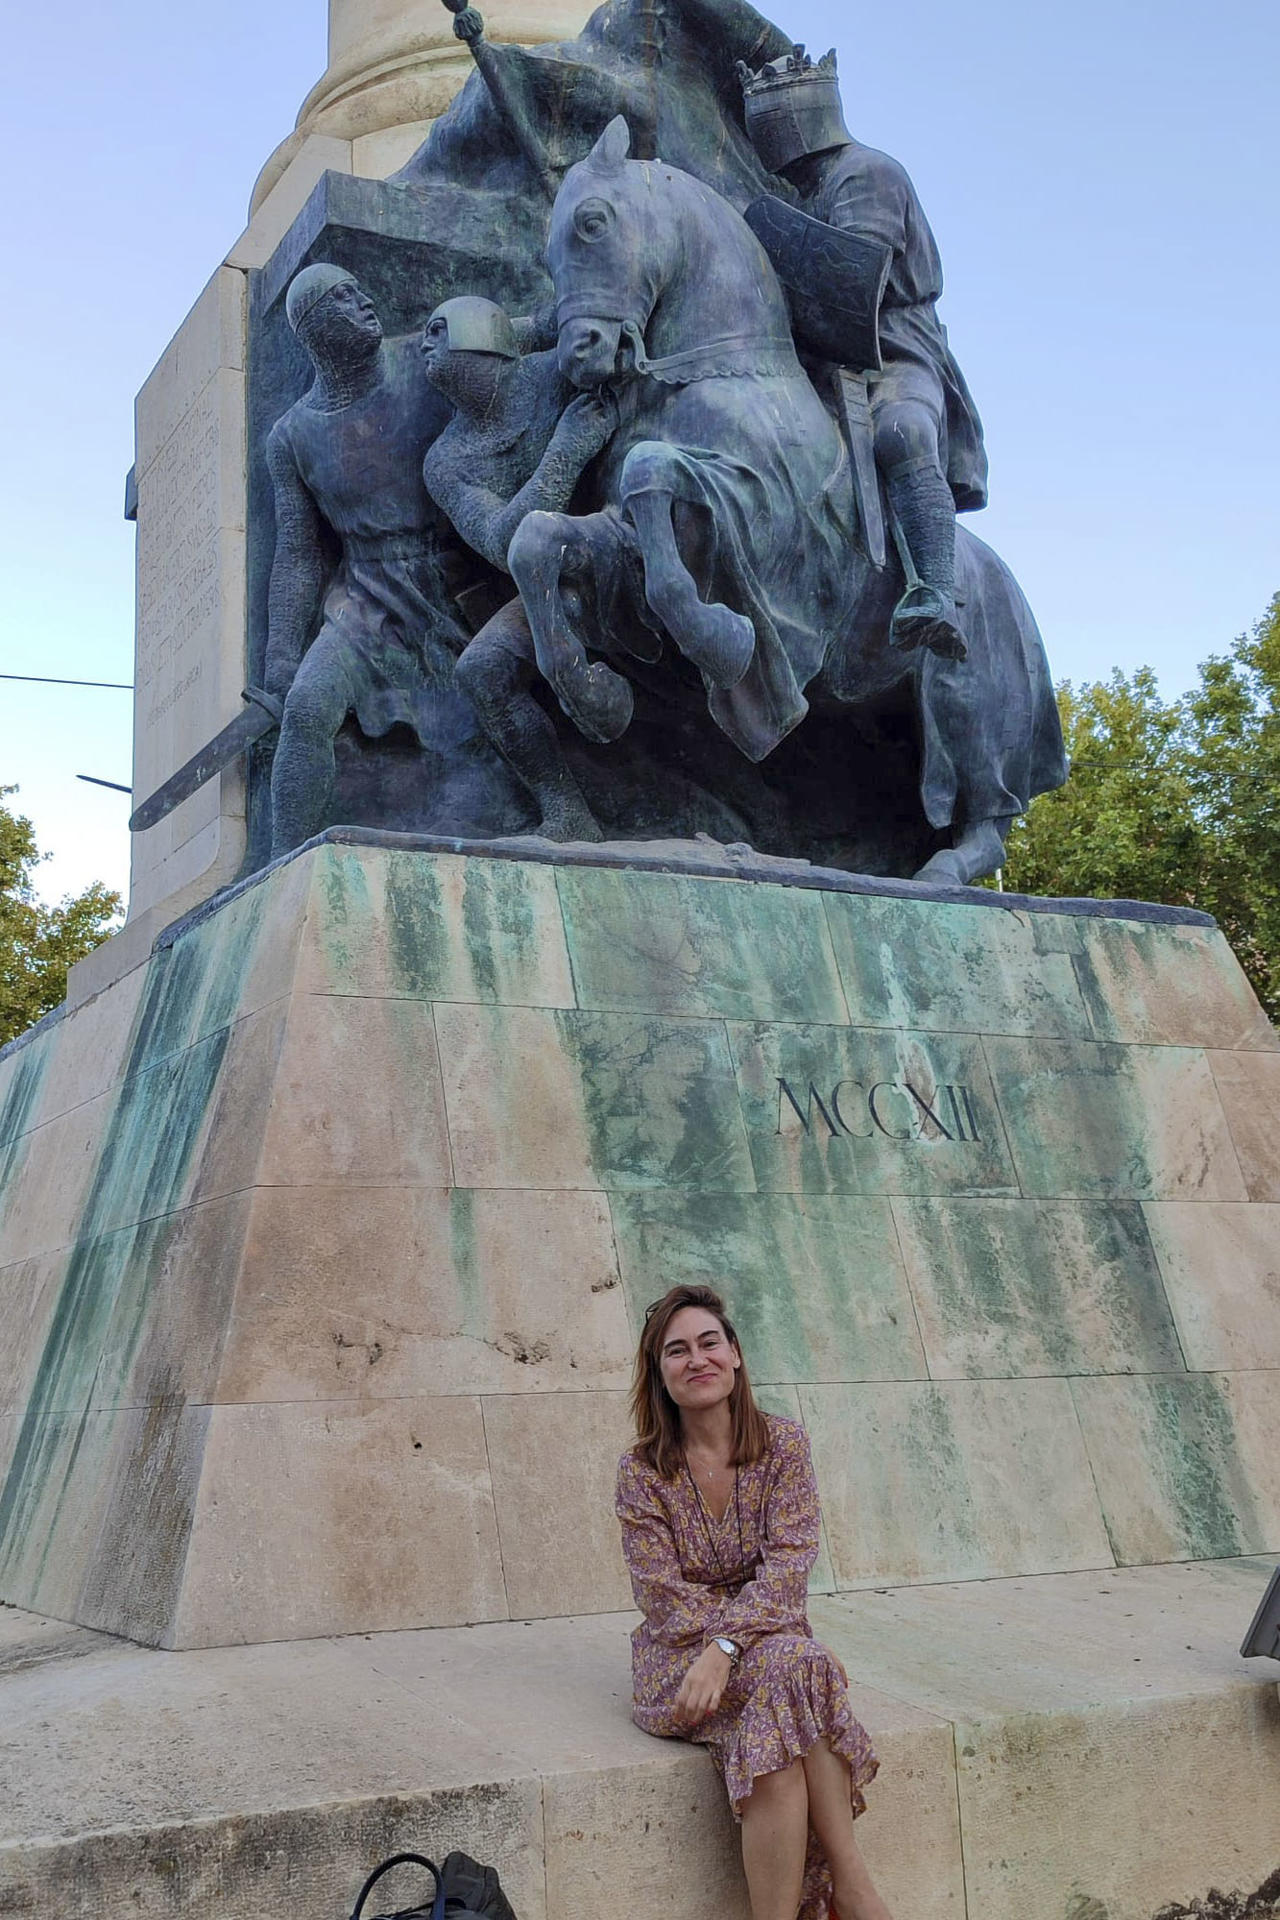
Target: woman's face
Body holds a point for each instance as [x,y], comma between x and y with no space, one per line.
[699,1363]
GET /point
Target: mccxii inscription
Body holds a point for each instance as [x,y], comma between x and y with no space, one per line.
[906,1109]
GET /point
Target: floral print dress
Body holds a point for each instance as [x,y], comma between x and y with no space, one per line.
[745,1576]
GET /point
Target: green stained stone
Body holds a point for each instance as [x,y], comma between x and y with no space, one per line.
[659,1100]
[856,1110]
[1034,1287]
[194,987]
[1112,1122]
[668,943]
[814,1282]
[943,968]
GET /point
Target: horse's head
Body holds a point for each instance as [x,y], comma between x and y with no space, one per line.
[607,255]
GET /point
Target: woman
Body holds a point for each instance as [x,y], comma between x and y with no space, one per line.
[719,1513]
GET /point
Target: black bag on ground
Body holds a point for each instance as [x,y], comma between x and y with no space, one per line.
[464,1890]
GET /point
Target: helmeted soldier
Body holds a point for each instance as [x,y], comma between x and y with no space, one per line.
[928,437]
[378,636]
[519,441]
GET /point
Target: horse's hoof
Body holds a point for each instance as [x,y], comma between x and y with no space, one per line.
[599,702]
[724,648]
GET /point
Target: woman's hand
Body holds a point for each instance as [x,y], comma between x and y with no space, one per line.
[703,1685]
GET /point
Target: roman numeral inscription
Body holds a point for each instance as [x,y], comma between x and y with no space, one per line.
[894,1109]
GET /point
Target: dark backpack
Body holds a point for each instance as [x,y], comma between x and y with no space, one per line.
[464,1890]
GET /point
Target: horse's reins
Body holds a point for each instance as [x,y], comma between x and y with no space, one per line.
[732,354]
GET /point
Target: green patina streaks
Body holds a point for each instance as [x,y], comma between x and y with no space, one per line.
[483,914]
[938,1470]
[142,1173]
[1194,1457]
[659,1100]
[17,1113]
[346,915]
[473,1316]
[417,931]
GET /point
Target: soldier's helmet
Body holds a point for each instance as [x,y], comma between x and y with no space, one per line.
[308,288]
[474,325]
[792,107]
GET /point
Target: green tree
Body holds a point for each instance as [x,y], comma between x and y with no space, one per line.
[1175,801]
[37,942]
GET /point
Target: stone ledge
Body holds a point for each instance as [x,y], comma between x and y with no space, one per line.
[222,1782]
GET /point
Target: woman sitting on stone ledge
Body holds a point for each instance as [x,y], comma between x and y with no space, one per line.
[719,1513]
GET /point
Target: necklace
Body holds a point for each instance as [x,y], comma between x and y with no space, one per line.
[723,1578]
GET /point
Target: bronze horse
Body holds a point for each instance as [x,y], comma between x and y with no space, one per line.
[727,521]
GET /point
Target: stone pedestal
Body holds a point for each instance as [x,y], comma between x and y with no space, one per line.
[325,1237]
[347,1206]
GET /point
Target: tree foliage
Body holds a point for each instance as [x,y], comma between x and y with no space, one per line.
[37,942]
[1173,801]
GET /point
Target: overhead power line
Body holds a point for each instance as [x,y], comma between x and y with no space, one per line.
[43,680]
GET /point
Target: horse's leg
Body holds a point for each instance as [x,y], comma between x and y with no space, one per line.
[547,546]
[719,642]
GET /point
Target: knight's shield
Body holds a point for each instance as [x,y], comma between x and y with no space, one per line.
[835,282]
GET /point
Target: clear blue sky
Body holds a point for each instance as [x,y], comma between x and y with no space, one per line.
[1102,179]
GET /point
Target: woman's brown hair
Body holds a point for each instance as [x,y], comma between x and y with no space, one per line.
[656,1415]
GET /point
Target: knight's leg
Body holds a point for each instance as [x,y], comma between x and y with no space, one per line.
[719,642]
[909,456]
[978,851]
[302,774]
[597,700]
[496,672]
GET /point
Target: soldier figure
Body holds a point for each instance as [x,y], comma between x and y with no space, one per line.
[376,638]
[518,443]
[928,437]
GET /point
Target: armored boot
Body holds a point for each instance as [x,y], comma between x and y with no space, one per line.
[925,616]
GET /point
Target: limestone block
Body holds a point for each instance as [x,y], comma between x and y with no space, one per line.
[1249,1088]
[1062,1643]
[785,1400]
[400,1292]
[852,1110]
[1188,1467]
[376,156]
[1035,1287]
[554,1458]
[237,962]
[954,1481]
[564,1098]
[912,1796]
[47,1179]
[639,1839]
[1111,1122]
[954,969]
[357,1100]
[87,1050]
[212,337]
[189,668]
[120,955]
[815,1282]
[674,944]
[1113,1812]
[126,1327]
[313,155]
[435,927]
[338,1517]
[28,1293]
[1167,985]
[1221,1271]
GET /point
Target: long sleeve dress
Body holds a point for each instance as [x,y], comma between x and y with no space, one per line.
[746,1577]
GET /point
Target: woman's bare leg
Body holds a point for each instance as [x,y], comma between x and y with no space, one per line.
[831,1813]
[775,1836]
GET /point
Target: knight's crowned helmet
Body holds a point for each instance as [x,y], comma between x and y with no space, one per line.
[793,107]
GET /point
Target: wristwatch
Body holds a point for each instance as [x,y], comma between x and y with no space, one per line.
[730,1647]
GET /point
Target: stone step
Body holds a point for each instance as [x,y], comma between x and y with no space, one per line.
[1049,1746]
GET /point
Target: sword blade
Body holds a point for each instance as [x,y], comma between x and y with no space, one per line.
[236,737]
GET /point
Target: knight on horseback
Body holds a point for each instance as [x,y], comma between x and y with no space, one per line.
[928,437]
